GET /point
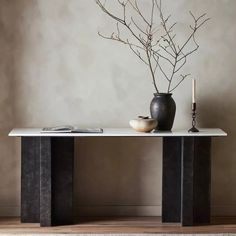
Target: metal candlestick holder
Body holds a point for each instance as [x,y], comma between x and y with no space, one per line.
[194,114]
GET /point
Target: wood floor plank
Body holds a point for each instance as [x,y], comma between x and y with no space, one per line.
[118,225]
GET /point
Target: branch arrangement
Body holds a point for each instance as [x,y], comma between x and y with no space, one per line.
[158,51]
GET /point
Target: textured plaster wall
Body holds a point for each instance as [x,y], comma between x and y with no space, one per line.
[54,69]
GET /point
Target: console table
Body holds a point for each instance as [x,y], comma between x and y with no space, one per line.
[47,162]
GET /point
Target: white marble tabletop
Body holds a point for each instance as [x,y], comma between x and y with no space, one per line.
[117,132]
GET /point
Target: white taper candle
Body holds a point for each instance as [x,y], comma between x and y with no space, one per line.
[194,91]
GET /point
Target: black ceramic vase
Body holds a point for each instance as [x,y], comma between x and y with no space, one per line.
[163,109]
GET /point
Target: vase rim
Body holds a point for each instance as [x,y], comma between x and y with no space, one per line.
[162,94]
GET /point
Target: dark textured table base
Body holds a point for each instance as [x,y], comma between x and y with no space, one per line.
[30,179]
[47,180]
[186,180]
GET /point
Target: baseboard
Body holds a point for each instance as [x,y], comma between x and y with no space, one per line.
[217,210]
[223,210]
[118,211]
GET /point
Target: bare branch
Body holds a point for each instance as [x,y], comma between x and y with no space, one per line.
[172,26]
[203,23]
[194,29]
[155,51]
[181,66]
[165,49]
[163,57]
[164,24]
[122,21]
[191,52]
[152,11]
[137,9]
[116,37]
[199,18]
[138,26]
[138,54]
[156,43]
[154,31]
[152,71]
[160,67]
[157,62]
[102,6]
[172,75]
[167,19]
[183,78]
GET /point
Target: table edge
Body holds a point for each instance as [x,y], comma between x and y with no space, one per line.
[220,134]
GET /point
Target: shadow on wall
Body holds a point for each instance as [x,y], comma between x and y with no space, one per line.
[13,43]
[20,28]
[11,55]
[220,111]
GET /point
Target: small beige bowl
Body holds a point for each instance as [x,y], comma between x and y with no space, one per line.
[143,124]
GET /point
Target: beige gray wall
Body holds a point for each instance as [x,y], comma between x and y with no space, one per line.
[54,69]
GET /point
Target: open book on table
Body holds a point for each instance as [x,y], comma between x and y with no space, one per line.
[70,129]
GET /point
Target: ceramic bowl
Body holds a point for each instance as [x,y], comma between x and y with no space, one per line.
[143,125]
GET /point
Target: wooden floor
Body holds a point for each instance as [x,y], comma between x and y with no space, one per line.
[119,225]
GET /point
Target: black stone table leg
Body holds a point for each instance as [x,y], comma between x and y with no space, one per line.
[196,180]
[30,168]
[171,179]
[56,181]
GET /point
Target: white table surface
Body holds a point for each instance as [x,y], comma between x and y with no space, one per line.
[117,132]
